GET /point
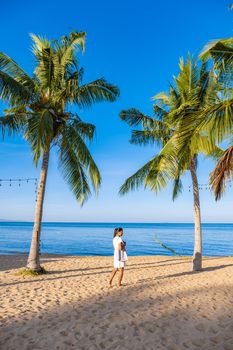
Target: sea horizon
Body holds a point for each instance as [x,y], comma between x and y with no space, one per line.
[121,222]
[95,238]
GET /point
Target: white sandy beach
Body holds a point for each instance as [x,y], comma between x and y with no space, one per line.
[162,305]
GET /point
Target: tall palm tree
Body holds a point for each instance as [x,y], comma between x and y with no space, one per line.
[190,92]
[218,117]
[40,108]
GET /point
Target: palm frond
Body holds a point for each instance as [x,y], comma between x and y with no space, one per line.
[45,69]
[216,120]
[159,175]
[85,130]
[222,172]
[72,139]
[39,133]
[202,144]
[177,187]
[74,174]
[97,91]
[69,46]
[163,98]
[11,124]
[9,66]
[220,50]
[165,167]
[12,91]
[150,137]
[136,180]
[134,117]
[159,112]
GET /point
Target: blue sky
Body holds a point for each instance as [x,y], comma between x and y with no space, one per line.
[136,45]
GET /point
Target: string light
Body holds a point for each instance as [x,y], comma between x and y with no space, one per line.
[18,180]
[208,187]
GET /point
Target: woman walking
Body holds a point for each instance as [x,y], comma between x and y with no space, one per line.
[120,255]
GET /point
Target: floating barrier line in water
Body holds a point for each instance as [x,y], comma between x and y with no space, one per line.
[165,246]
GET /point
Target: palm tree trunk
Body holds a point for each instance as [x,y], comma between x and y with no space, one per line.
[33,259]
[197,254]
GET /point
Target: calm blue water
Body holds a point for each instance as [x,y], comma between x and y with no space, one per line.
[96,238]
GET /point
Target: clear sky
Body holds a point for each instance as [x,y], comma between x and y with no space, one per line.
[136,45]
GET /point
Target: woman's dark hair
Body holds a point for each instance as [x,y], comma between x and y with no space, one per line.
[117,230]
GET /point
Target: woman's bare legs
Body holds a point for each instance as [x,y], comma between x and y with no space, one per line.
[120,276]
[114,271]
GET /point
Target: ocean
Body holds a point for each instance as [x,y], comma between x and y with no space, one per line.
[96,238]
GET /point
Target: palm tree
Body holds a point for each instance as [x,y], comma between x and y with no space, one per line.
[218,117]
[40,108]
[191,90]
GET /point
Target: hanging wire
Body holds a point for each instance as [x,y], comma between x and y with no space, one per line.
[208,187]
[20,181]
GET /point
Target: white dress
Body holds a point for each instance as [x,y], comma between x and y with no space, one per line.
[119,259]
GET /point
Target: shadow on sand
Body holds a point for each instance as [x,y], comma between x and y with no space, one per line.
[134,317]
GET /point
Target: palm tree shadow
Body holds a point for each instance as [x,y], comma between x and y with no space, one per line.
[213,268]
[10,262]
[187,273]
[85,269]
[159,262]
[53,278]
[129,267]
[181,274]
[144,316]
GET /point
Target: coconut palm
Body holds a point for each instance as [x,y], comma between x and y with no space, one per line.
[218,117]
[189,93]
[40,109]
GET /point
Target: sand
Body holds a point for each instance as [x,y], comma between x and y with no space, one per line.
[162,305]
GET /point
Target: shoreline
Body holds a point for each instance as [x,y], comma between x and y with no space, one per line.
[99,255]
